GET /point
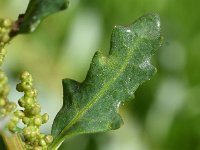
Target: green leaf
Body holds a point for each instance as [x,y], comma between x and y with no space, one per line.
[92,106]
[37,10]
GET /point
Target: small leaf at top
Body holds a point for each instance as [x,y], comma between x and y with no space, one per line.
[36,11]
[92,106]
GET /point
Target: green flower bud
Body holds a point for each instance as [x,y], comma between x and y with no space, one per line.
[36,142]
[29,101]
[15,119]
[38,121]
[21,102]
[26,75]
[42,142]
[19,87]
[7,23]
[26,86]
[14,105]
[48,139]
[3,51]
[10,106]
[19,114]
[3,31]
[36,110]
[5,38]
[5,91]
[30,94]
[45,118]
[33,134]
[26,120]
[27,132]
[2,102]
[35,92]
[28,147]
[12,126]
[2,75]
[3,111]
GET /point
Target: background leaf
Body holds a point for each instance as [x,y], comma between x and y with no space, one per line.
[37,10]
[92,106]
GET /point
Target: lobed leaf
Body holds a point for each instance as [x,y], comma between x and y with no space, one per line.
[92,106]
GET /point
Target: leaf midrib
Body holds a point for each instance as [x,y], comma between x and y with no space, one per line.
[102,91]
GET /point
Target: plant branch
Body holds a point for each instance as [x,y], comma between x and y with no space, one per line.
[12,142]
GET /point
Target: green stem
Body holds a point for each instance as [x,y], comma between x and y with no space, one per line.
[12,142]
[58,141]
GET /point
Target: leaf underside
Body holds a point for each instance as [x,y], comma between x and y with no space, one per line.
[36,11]
[92,106]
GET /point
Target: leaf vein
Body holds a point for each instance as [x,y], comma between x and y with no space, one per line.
[102,91]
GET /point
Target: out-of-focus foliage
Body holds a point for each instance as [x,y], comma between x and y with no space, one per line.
[165,113]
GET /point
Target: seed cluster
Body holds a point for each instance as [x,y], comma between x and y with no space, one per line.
[5,27]
[30,116]
[5,106]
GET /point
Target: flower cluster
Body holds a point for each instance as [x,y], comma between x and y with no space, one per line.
[5,27]
[30,116]
[5,106]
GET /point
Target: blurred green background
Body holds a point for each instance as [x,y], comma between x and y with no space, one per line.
[165,114]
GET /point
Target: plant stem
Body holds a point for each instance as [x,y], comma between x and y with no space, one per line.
[56,144]
[12,142]
[58,141]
